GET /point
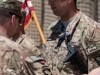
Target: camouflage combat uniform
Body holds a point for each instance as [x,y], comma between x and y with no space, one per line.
[37,60]
[10,59]
[85,39]
[26,40]
[16,59]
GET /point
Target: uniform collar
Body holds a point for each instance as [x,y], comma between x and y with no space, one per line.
[58,26]
[73,23]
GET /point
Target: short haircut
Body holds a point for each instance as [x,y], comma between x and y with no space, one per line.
[6,14]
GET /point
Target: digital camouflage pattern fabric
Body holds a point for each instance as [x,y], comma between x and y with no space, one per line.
[37,61]
[16,59]
[85,40]
[26,40]
[10,58]
[12,5]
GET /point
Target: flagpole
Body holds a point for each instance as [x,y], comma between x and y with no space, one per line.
[38,26]
[28,3]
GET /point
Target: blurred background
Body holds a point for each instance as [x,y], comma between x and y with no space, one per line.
[45,16]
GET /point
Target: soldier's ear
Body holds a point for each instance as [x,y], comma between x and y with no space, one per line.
[13,19]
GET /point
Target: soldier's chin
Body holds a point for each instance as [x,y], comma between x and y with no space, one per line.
[55,13]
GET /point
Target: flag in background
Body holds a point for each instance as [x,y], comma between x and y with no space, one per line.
[30,13]
[28,7]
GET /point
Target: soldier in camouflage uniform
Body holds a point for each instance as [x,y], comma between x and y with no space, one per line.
[85,38]
[25,40]
[10,59]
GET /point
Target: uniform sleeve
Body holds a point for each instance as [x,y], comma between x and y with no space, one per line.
[29,43]
[93,42]
[93,46]
[10,62]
